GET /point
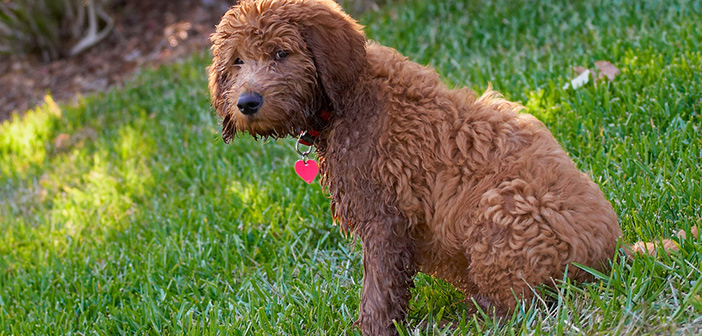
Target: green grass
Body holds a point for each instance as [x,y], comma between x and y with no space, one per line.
[142,222]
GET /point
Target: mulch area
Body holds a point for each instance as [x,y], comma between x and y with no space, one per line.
[146,33]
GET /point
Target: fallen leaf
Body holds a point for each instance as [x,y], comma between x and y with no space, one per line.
[579,81]
[607,69]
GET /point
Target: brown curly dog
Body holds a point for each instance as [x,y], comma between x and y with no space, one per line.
[431,179]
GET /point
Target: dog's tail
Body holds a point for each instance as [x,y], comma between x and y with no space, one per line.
[665,245]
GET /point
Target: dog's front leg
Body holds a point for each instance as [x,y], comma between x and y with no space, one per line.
[389,265]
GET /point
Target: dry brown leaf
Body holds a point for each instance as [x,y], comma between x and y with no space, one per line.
[607,69]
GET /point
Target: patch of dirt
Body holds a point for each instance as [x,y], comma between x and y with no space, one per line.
[146,33]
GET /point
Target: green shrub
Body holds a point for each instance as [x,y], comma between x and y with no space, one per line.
[51,28]
[32,26]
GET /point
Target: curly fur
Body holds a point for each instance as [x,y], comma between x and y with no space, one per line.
[431,179]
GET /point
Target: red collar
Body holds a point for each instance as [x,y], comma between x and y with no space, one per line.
[308,137]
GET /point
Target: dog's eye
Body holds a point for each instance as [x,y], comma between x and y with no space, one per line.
[280,54]
[238,61]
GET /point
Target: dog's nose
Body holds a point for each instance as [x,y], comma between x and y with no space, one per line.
[249,102]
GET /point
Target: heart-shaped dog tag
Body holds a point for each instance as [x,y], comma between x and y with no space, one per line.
[307,170]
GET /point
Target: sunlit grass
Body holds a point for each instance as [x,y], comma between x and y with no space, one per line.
[124,213]
[22,140]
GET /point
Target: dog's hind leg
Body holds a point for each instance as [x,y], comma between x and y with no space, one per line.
[512,248]
[505,267]
[389,265]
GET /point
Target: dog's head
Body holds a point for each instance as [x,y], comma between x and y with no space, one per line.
[276,63]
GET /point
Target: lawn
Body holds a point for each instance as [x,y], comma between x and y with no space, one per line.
[124,213]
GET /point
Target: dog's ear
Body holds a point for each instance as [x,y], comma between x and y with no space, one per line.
[218,84]
[338,47]
[219,75]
